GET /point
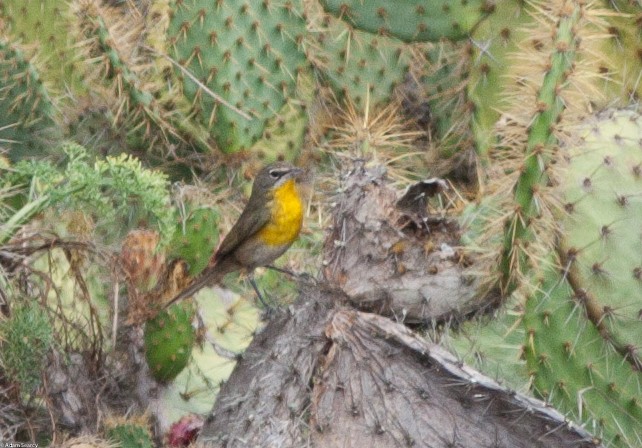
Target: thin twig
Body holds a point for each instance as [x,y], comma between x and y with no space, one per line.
[114,329]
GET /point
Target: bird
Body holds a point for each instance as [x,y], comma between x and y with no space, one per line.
[269,224]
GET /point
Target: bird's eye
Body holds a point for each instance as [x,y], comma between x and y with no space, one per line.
[276,174]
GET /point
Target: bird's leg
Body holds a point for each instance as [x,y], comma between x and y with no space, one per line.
[250,277]
[304,276]
[281,270]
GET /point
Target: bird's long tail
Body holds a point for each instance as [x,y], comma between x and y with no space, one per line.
[212,275]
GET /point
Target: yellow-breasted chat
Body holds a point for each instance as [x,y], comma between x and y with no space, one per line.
[269,224]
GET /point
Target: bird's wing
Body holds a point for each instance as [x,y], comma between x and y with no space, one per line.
[254,217]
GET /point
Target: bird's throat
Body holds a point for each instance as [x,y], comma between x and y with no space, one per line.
[286,216]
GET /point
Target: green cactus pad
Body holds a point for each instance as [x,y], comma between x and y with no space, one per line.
[283,136]
[441,85]
[232,320]
[492,344]
[602,187]
[169,338]
[493,347]
[26,109]
[196,238]
[521,225]
[620,54]
[576,371]
[412,20]
[494,47]
[359,64]
[247,53]
[45,25]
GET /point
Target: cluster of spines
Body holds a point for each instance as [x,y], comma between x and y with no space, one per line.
[141,259]
[129,85]
[132,432]
[27,111]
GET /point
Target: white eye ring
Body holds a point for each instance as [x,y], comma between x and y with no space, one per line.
[276,174]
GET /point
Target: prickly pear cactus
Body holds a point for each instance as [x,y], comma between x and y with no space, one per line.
[437,101]
[602,243]
[573,368]
[283,136]
[357,64]
[44,24]
[117,69]
[196,238]
[526,221]
[169,338]
[620,52]
[231,319]
[129,433]
[579,329]
[412,20]
[26,109]
[247,53]
[493,344]
[494,49]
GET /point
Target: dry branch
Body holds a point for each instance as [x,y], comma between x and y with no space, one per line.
[324,375]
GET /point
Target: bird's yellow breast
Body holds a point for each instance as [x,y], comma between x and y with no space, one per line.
[286,218]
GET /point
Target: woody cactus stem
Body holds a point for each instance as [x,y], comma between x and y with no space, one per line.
[540,136]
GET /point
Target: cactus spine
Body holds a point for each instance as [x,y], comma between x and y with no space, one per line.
[27,111]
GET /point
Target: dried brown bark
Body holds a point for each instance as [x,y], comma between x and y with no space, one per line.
[266,401]
[392,256]
[325,375]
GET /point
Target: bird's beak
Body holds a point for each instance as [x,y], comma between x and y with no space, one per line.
[298,174]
